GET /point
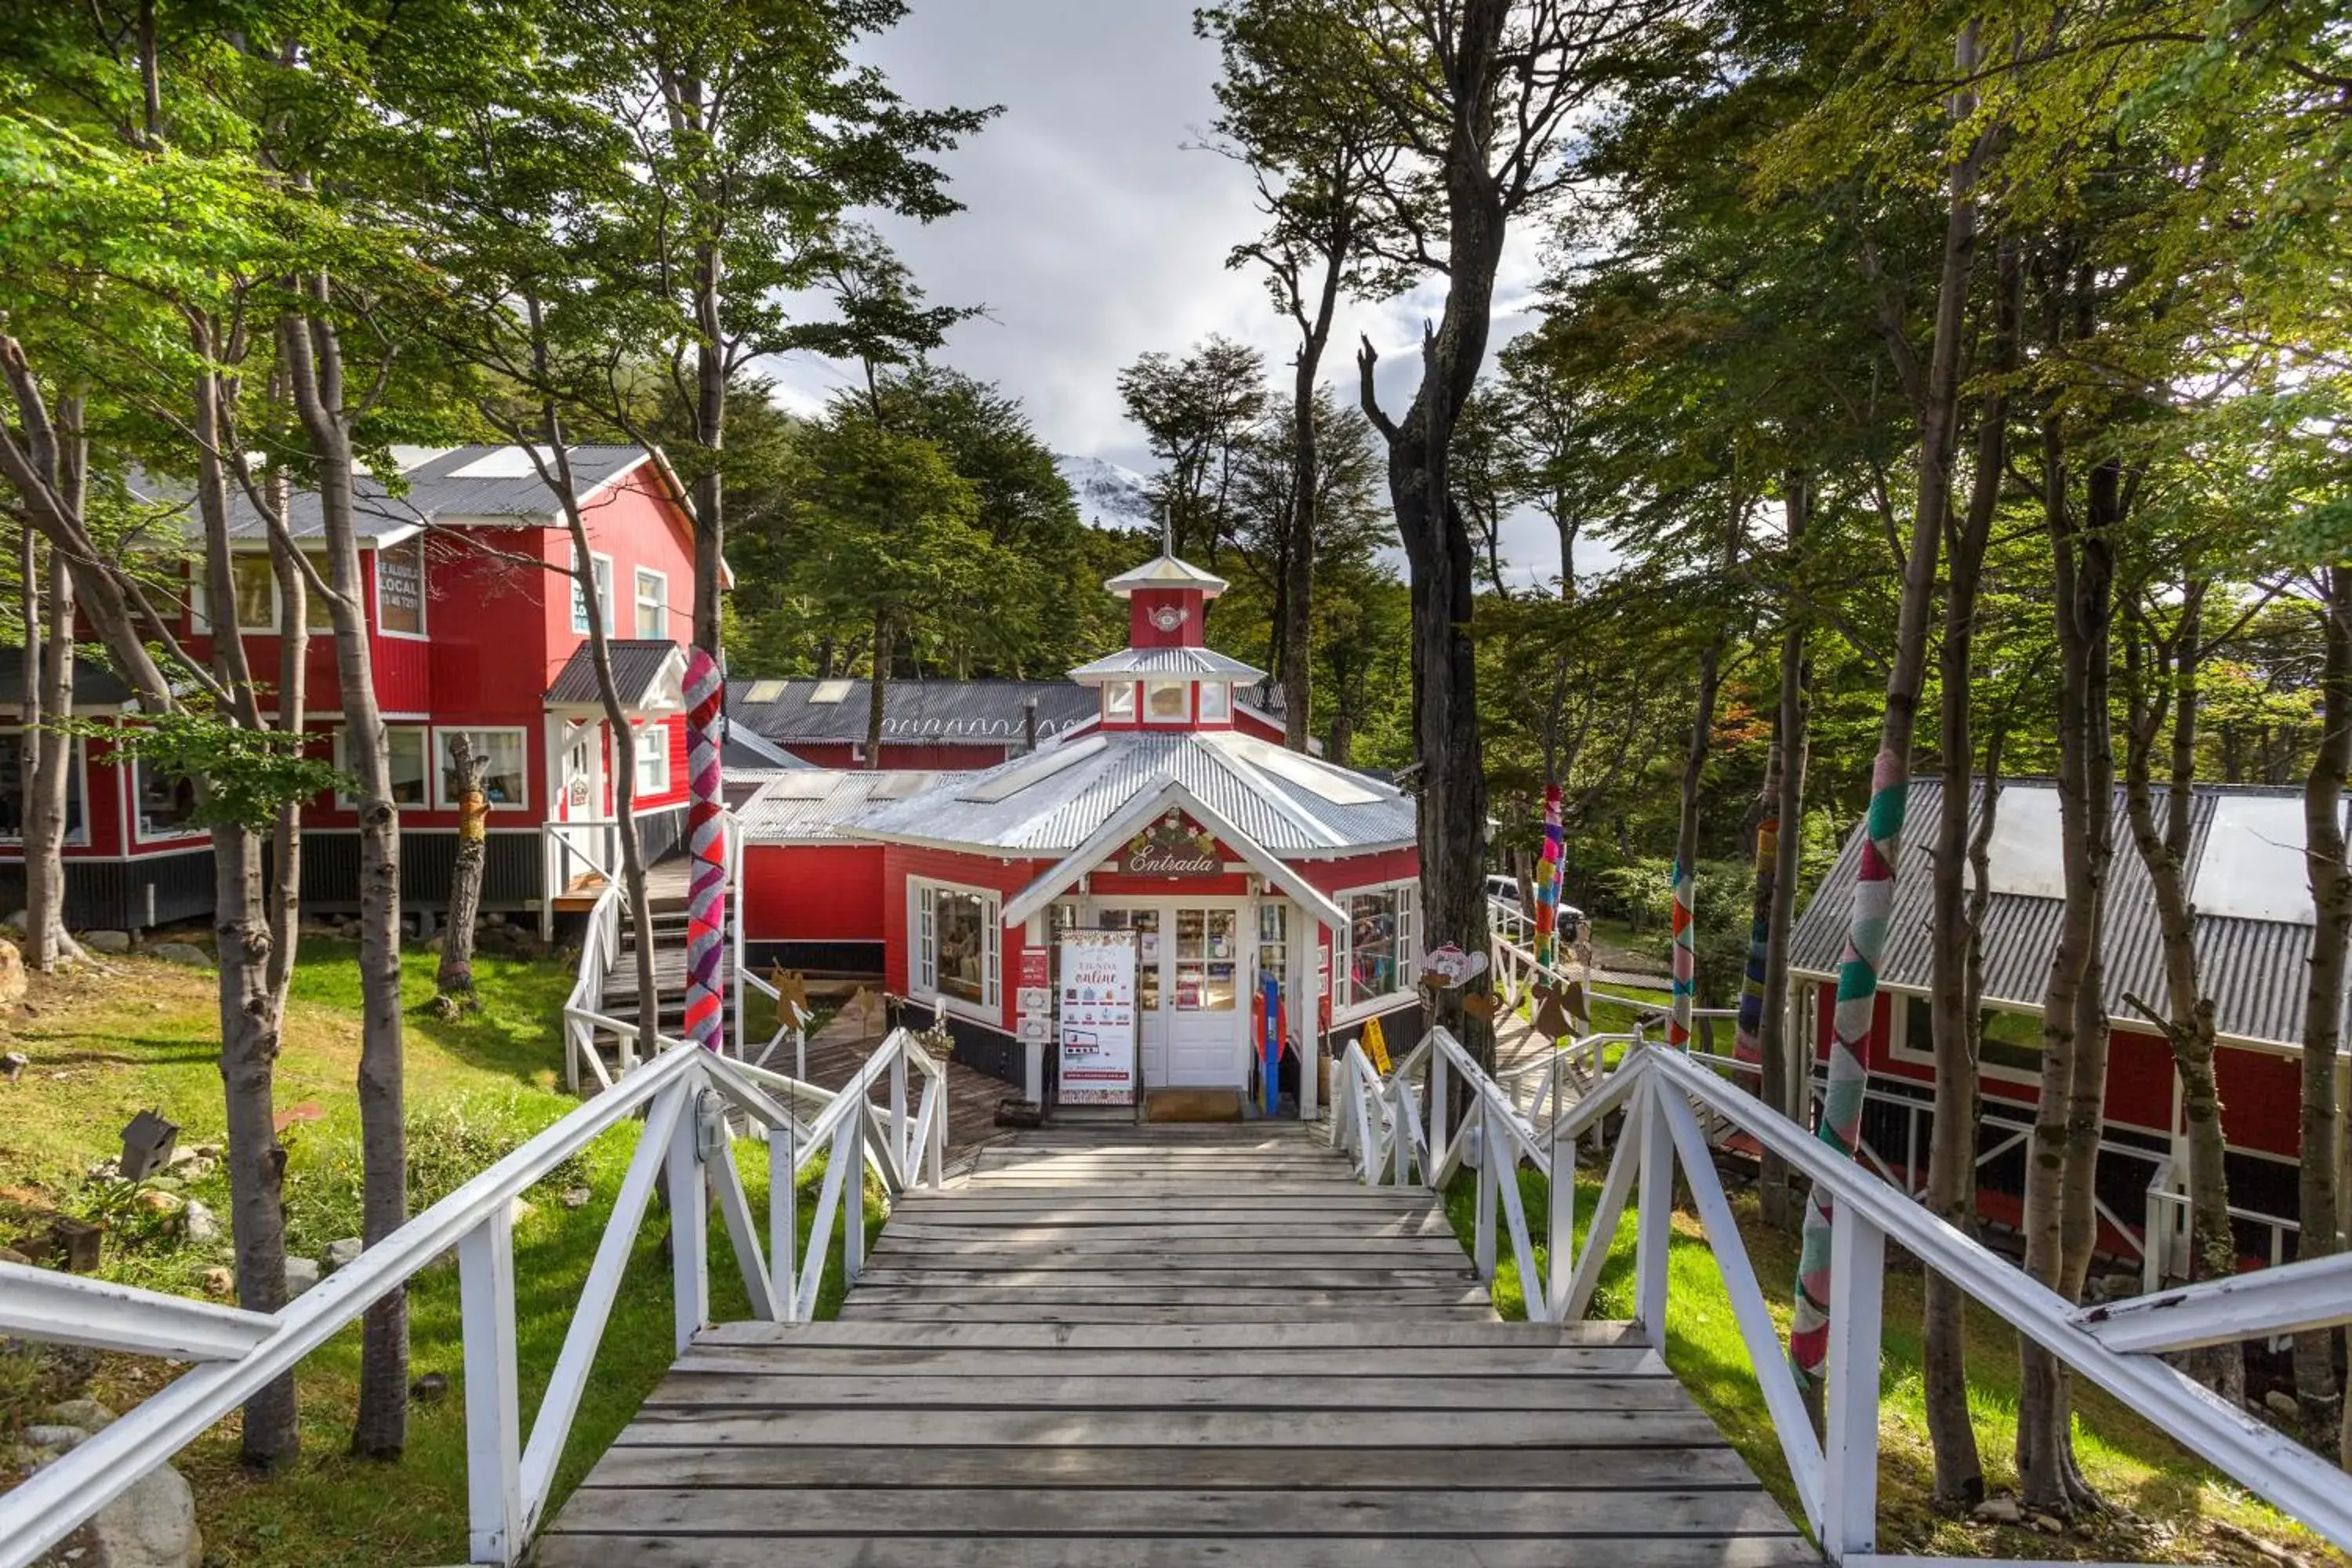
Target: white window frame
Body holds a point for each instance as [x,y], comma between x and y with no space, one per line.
[441,802]
[1408,891]
[1112,710]
[660,605]
[1143,703]
[78,785]
[1225,704]
[314,608]
[423,592]
[922,950]
[424,734]
[139,833]
[600,572]
[658,732]
[1899,1046]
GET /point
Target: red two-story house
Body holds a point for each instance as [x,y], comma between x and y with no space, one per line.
[476,626]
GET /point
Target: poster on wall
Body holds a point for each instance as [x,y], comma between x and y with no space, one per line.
[1098,1017]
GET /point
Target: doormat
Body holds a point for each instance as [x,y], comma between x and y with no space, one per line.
[1191,1105]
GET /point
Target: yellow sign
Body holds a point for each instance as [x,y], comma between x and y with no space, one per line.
[1376,1046]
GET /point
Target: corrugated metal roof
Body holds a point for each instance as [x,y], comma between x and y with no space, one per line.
[1166,571]
[911,710]
[2254,969]
[1168,661]
[436,491]
[1060,811]
[637,668]
[816,804]
[746,751]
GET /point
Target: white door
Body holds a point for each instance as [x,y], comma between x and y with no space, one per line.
[1151,1018]
[1207,1013]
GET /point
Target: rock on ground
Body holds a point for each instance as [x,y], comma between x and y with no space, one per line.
[152,1525]
[301,1273]
[106,940]
[186,952]
[342,1253]
[12,974]
[199,1225]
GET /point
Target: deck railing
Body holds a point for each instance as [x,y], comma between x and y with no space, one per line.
[688,1097]
[1663,1095]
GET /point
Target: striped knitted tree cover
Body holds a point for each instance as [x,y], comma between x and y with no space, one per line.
[1678,1022]
[707,886]
[1547,869]
[1748,1043]
[1857,995]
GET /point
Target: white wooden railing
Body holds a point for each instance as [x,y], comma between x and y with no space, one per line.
[688,1097]
[791,1024]
[568,850]
[1663,1095]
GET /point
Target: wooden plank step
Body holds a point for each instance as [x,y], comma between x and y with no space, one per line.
[781,1514]
[1444,1361]
[797,1392]
[1276,1335]
[1349,1429]
[1142,1293]
[1245,1470]
[1145,1274]
[1170,1315]
[627,1550]
[1246,1250]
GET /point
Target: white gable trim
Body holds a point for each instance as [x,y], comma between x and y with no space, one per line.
[1142,809]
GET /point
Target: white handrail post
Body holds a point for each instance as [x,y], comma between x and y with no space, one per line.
[1438,1094]
[935,1151]
[1654,1226]
[1850,1489]
[486,1284]
[688,1219]
[783,1221]
[853,1196]
[1401,1133]
[1489,1176]
[901,1142]
[1562,1244]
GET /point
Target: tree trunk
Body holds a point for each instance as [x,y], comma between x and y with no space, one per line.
[251,1017]
[1890,783]
[48,699]
[314,365]
[877,690]
[293,700]
[1296,631]
[2188,1018]
[454,982]
[1684,961]
[2323,1026]
[1785,1078]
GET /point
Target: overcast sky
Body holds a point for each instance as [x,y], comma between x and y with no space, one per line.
[1095,229]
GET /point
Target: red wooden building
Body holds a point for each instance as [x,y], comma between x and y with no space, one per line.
[940,882]
[2254,920]
[474,627]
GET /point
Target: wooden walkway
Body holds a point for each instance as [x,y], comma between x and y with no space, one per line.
[1153,1347]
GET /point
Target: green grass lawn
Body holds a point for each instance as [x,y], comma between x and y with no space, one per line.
[145,1036]
[2170,1503]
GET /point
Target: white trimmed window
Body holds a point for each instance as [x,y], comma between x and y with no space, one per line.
[166,802]
[1167,701]
[12,789]
[1119,700]
[252,583]
[652,759]
[652,605]
[955,947]
[2009,1046]
[400,588]
[1216,702]
[503,783]
[406,749]
[1378,950]
[604,577]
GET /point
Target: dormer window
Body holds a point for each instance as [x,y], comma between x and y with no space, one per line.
[1119,700]
[1216,702]
[1167,701]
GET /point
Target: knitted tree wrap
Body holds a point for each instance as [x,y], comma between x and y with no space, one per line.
[706,845]
[1686,970]
[1857,997]
[1748,1043]
[1548,871]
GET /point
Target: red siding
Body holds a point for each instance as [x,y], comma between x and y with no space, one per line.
[813,892]
[1142,633]
[901,861]
[1359,870]
[929,756]
[2262,1101]
[675,793]
[1249,724]
[1113,884]
[2139,1080]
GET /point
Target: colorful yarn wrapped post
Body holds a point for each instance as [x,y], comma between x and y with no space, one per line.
[1747,1039]
[1857,996]
[1678,1021]
[705,898]
[1547,875]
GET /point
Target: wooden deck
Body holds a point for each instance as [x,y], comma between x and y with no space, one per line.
[1158,1346]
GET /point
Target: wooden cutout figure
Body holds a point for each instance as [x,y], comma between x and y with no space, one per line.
[1552,1021]
[791,994]
[1480,1004]
[1579,1007]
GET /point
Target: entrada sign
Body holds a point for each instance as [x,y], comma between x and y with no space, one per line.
[1172,848]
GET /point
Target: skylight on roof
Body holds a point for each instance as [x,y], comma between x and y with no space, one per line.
[1321,778]
[503,463]
[1035,769]
[2023,855]
[830,691]
[898,786]
[2252,867]
[764,691]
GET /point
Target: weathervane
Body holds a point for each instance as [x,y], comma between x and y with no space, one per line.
[1167,534]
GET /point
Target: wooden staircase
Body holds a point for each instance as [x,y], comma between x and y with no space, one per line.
[1146,1347]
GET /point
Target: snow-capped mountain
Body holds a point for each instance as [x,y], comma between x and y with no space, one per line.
[1109,496]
